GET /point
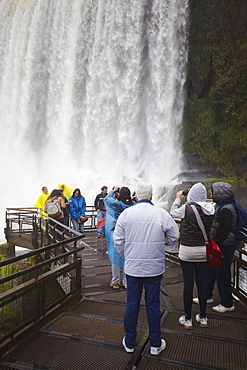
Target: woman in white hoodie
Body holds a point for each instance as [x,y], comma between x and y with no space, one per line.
[192,250]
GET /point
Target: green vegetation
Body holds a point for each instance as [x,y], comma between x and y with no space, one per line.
[7,250]
[215,121]
[6,271]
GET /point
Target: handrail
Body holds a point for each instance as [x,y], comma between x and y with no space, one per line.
[40,264]
[20,222]
[90,212]
[47,287]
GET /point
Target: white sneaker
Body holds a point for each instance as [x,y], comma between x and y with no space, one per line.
[202,320]
[185,322]
[129,350]
[223,309]
[115,285]
[156,350]
[196,300]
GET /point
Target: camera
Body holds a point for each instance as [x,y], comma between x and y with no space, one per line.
[185,192]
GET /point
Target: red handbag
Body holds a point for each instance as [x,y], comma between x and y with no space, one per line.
[83,219]
[214,253]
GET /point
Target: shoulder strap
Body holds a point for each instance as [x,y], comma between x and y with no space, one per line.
[200,223]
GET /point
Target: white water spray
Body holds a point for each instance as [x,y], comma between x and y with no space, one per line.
[91,94]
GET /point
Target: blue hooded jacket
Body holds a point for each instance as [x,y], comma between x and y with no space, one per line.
[113,209]
[77,207]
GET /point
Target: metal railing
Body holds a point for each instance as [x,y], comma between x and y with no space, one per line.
[27,227]
[239,274]
[53,278]
[50,281]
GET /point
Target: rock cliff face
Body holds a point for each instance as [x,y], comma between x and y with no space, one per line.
[215,126]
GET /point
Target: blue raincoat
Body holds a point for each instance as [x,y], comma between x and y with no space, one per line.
[113,209]
[77,207]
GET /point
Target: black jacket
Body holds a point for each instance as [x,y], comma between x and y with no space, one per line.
[190,232]
[224,224]
[99,202]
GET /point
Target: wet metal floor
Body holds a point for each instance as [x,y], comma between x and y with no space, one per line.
[89,336]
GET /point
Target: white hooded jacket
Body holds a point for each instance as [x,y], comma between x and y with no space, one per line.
[198,195]
[139,237]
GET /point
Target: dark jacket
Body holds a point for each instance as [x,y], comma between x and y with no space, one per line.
[224,224]
[190,232]
[99,202]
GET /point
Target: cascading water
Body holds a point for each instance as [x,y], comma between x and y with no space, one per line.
[91,94]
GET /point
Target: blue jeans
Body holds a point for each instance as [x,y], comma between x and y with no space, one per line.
[189,269]
[100,215]
[78,226]
[222,275]
[152,301]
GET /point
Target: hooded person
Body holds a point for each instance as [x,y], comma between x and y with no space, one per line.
[115,204]
[67,192]
[222,232]
[40,202]
[192,250]
[77,210]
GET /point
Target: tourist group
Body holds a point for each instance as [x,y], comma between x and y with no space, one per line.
[137,232]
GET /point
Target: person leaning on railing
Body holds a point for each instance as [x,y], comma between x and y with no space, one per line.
[40,202]
[56,195]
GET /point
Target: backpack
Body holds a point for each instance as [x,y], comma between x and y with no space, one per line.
[53,208]
[241,229]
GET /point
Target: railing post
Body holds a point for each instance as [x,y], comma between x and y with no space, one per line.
[19,223]
[41,232]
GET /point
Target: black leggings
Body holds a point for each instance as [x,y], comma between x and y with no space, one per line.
[194,271]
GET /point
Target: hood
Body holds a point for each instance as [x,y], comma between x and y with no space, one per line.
[222,192]
[67,191]
[198,194]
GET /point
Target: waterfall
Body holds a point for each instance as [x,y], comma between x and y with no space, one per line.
[91,94]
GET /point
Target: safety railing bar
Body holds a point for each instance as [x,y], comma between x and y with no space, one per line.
[240,261]
[39,265]
[61,224]
[17,292]
[36,317]
[40,250]
[21,208]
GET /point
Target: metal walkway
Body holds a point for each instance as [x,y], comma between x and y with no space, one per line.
[89,336]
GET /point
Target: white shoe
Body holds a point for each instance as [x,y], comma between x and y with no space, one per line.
[185,322]
[129,350]
[202,320]
[223,309]
[115,285]
[156,350]
[196,300]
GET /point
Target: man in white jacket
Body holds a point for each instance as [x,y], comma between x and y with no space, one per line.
[139,236]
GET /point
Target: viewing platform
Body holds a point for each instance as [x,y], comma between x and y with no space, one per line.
[82,328]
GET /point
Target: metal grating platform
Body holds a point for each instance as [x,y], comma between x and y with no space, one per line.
[89,336]
[175,292]
[218,327]
[120,296]
[107,310]
[93,329]
[149,364]
[196,351]
[49,352]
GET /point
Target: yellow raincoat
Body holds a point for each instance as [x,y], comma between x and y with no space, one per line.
[40,202]
[67,191]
